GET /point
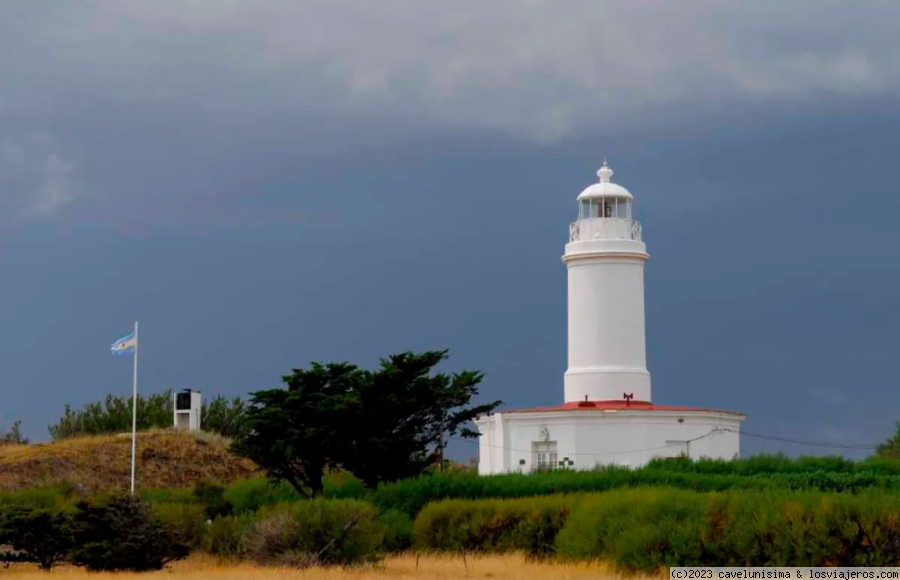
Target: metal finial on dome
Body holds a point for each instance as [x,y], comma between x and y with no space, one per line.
[605,172]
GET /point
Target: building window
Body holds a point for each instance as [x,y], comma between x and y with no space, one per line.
[544,455]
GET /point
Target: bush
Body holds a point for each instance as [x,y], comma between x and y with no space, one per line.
[223,416]
[39,536]
[225,536]
[250,495]
[122,535]
[411,495]
[213,498]
[113,415]
[318,531]
[399,530]
[528,525]
[14,435]
[649,528]
[186,522]
[50,498]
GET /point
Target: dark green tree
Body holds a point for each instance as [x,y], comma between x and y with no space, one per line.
[37,536]
[14,435]
[222,416]
[381,425]
[890,449]
[404,413]
[113,415]
[122,534]
[296,434]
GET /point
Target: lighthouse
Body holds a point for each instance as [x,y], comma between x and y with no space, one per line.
[607,416]
[605,260]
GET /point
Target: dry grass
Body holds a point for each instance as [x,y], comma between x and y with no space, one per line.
[512,567]
[165,459]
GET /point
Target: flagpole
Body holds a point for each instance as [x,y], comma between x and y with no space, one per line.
[134,406]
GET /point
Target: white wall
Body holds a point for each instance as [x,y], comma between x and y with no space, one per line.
[589,438]
[606,328]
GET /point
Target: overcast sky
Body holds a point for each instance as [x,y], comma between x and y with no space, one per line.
[264,184]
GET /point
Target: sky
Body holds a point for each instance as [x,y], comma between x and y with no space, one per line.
[272,183]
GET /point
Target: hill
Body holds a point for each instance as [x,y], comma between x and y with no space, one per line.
[165,459]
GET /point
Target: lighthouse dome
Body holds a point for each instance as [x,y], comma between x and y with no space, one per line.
[605,188]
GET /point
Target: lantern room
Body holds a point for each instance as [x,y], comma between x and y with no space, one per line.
[605,199]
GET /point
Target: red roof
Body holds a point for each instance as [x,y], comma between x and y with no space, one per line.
[618,405]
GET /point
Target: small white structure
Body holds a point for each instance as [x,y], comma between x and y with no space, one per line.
[187,410]
[607,416]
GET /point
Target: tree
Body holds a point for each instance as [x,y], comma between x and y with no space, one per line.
[14,435]
[222,416]
[113,415]
[38,536]
[403,415]
[295,434]
[122,534]
[890,449]
[381,425]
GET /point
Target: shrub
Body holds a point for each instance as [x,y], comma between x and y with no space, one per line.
[223,416]
[122,535]
[318,531]
[528,525]
[14,435]
[51,498]
[410,496]
[169,495]
[646,529]
[113,415]
[186,522]
[225,536]
[399,530]
[38,536]
[250,495]
[343,485]
[213,498]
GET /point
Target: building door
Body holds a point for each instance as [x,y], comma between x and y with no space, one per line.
[543,455]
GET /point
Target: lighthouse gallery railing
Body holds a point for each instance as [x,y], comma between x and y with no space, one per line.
[605,229]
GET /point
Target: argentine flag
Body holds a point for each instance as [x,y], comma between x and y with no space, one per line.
[125,345]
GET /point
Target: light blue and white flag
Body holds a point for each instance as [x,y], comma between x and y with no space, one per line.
[125,345]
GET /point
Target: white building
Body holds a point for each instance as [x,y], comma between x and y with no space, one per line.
[608,416]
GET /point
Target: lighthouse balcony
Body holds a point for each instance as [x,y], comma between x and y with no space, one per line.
[605,229]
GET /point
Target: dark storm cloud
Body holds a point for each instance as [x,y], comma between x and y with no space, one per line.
[182,83]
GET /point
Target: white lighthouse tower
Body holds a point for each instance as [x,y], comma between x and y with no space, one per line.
[607,416]
[605,260]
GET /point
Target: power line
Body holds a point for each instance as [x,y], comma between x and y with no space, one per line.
[802,442]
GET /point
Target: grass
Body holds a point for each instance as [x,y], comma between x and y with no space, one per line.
[504,567]
[166,459]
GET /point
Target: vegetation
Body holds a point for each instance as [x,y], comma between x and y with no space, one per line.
[90,465]
[412,495]
[426,567]
[118,534]
[316,532]
[36,535]
[381,425]
[14,435]
[525,525]
[649,528]
[350,458]
[113,415]
[890,449]
[122,534]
